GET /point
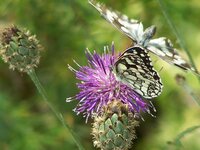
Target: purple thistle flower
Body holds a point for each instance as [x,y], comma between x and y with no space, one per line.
[98,86]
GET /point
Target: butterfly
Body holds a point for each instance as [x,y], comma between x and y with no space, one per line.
[134,68]
[162,47]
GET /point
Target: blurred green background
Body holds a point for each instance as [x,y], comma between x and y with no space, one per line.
[65,28]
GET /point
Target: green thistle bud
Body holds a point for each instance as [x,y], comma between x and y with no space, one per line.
[19,49]
[114,128]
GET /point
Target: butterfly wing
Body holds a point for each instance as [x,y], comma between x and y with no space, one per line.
[134,69]
[132,28]
[163,48]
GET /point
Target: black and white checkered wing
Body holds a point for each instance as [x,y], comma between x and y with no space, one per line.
[134,69]
[132,28]
[163,48]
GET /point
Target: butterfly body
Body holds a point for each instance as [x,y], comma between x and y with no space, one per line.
[134,67]
[161,47]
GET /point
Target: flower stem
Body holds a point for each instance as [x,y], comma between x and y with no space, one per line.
[177,34]
[177,141]
[42,91]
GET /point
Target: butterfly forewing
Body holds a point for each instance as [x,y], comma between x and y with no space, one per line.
[132,28]
[134,69]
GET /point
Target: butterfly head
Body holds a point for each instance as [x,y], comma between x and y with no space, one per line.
[147,35]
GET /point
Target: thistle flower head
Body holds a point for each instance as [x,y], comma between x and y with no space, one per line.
[19,49]
[98,86]
[114,128]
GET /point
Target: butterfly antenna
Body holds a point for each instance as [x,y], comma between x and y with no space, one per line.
[161,69]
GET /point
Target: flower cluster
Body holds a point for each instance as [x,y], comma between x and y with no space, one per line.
[98,86]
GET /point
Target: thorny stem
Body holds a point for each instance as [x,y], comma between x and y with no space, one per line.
[42,91]
[177,34]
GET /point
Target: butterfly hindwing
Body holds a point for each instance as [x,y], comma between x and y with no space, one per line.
[163,48]
[134,69]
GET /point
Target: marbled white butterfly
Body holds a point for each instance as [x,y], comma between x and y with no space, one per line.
[134,69]
[161,47]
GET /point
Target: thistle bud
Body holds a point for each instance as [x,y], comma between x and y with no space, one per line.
[19,49]
[114,128]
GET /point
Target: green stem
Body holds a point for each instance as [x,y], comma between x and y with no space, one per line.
[41,90]
[176,143]
[184,133]
[177,34]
